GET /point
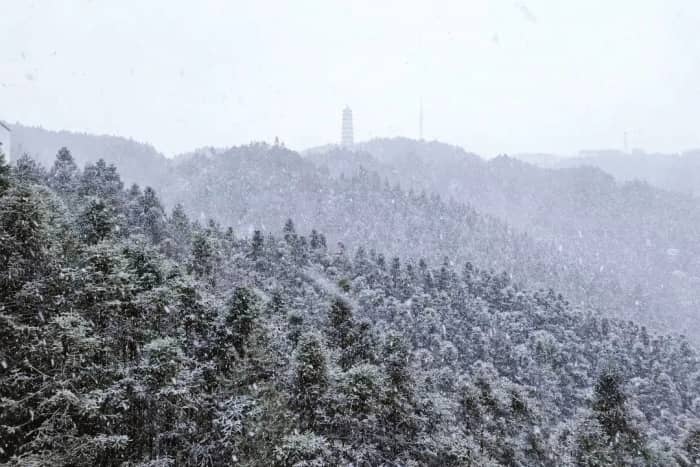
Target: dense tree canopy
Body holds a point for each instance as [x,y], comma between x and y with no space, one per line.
[129,336]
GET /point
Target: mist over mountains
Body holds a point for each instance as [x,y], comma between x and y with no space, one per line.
[400,299]
[644,236]
[675,172]
[625,247]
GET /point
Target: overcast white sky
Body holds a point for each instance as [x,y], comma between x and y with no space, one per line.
[496,76]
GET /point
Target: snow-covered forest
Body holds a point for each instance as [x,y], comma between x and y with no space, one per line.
[395,233]
[133,334]
[628,248]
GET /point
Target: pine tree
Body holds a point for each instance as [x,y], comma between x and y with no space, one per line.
[202,262]
[101,180]
[28,171]
[395,273]
[339,321]
[278,303]
[96,221]
[358,413]
[609,404]
[395,359]
[240,318]
[23,238]
[445,276]
[400,419]
[257,244]
[310,379]
[609,437]
[4,175]
[152,216]
[289,232]
[63,176]
[295,320]
[315,240]
[134,209]
[180,231]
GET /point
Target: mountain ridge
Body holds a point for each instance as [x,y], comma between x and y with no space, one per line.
[582,223]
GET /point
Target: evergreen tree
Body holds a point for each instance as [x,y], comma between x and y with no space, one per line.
[96,221]
[240,318]
[289,232]
[28,171]
[63,176]
[395,273]
[355,341]
[358,414]
[445,277]
[152,216]
[610,438]
[310,380]
[101,180]
[400,410]
[257,244]
[609,404]
[180,231]
[315,240]
[278,303]
[134,209]
[202,263]
[340,323]
[295,321]
[23,238]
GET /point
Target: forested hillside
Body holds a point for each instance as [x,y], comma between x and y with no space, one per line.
[645,237]
[135,336]
[259,186]
[625,247]
[138,162]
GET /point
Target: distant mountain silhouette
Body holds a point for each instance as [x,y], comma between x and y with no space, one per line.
[676,172]
[138,162]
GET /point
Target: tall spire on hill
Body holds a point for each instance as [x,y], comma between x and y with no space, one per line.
[347,134]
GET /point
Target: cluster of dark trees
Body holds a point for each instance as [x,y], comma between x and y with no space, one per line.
[134,336]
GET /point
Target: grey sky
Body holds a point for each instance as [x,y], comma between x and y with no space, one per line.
[495,76]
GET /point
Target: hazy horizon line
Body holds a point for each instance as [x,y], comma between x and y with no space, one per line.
[580,153]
